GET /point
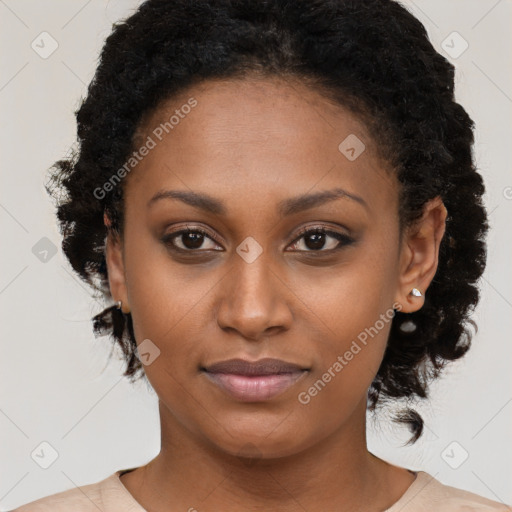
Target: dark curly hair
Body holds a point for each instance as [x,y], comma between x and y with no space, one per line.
[371,56]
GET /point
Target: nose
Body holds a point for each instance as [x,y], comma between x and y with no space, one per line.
[254,301]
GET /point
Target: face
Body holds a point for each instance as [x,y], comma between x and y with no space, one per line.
[262,224]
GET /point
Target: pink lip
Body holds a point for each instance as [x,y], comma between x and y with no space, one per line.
[255,388]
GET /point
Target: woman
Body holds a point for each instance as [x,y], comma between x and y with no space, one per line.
[280,199]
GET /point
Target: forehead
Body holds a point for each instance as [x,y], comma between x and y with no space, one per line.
[268,109]
[273,134]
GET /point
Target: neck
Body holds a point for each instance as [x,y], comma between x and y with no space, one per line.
[337,473]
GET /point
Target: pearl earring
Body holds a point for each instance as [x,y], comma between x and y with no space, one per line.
[408,326]
[118,304]
[416,292]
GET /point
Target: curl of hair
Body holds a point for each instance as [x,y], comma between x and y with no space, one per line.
[371,56]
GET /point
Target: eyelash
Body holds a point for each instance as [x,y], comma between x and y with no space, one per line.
[344,240]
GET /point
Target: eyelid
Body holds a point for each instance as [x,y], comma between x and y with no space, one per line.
[193,228]
[343,239]
[327,228]
[168,238]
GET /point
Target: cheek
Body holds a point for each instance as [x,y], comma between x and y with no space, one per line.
[169,306]
[160,291]
[354,312]
[348,365]
[350,297]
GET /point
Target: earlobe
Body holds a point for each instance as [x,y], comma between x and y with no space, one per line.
[420,255]
[115,268]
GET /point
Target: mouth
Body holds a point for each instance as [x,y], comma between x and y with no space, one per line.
[254,381]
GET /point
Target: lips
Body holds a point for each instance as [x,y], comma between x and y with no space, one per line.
[265,366]
[256,381]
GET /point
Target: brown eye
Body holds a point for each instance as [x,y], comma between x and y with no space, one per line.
[188,240]
[320,239]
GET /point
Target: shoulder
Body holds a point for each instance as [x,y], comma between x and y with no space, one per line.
[427,493]
[102,495]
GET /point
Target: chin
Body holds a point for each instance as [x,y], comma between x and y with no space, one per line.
[254,443]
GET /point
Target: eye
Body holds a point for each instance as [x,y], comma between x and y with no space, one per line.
[188,240]
[317,240]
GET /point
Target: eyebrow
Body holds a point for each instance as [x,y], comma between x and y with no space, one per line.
[284,207]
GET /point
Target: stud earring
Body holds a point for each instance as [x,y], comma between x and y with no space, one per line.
[416,292]
[118,304]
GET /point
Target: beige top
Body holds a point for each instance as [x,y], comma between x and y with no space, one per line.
[425,494]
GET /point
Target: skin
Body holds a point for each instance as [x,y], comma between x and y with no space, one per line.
[252,143]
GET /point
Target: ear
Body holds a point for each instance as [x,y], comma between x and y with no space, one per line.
[419,255]
[115,267]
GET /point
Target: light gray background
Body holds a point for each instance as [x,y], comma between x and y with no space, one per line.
[56,385]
